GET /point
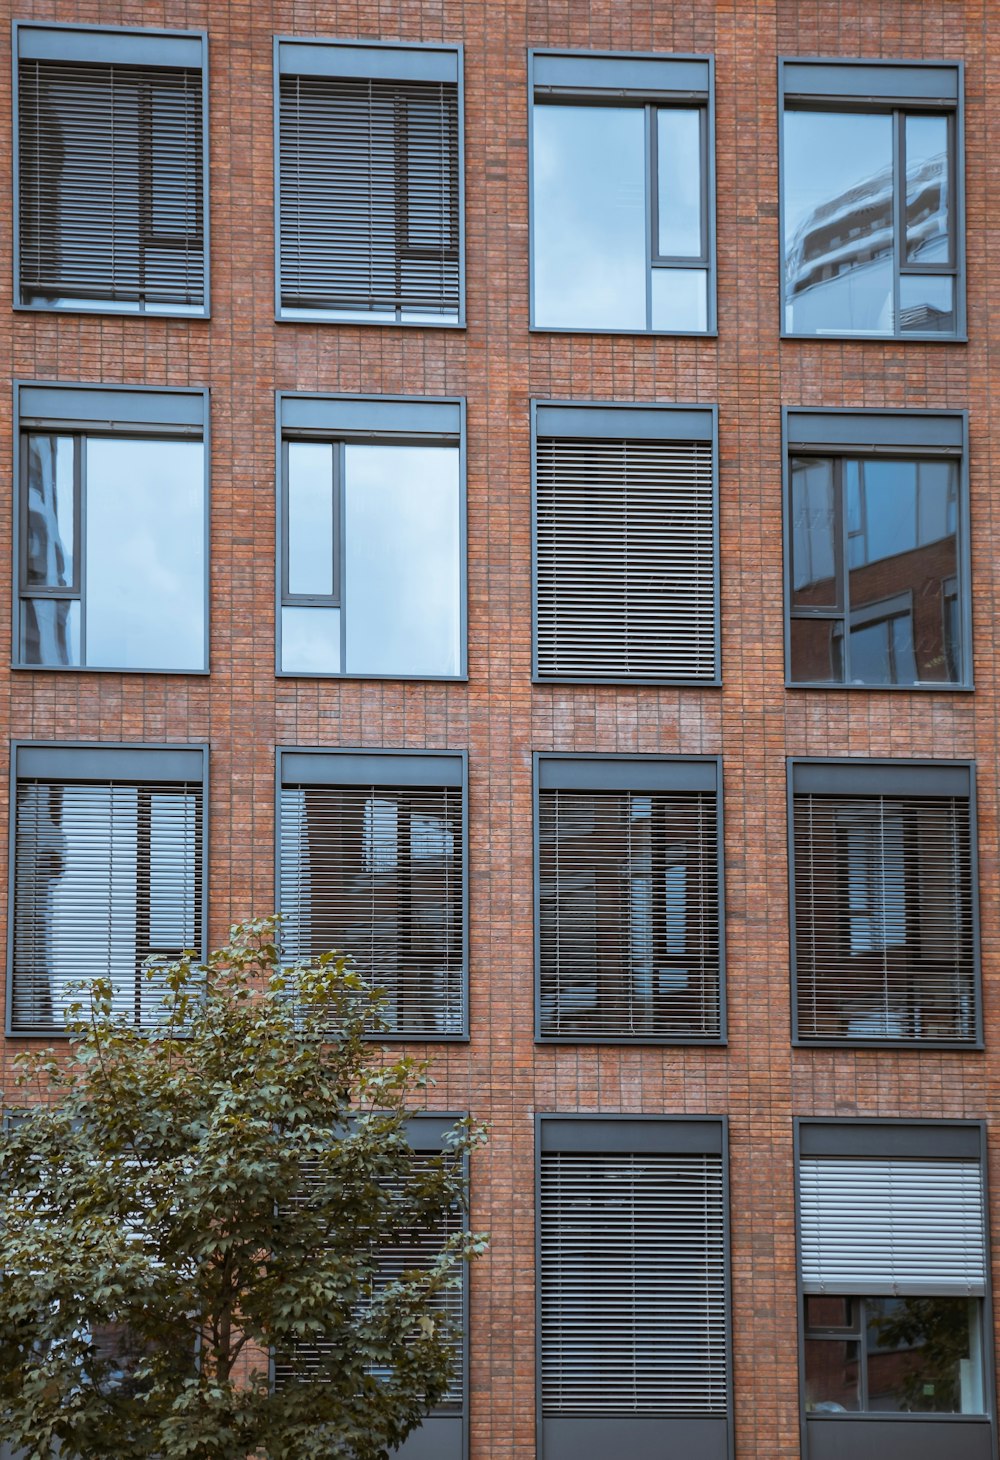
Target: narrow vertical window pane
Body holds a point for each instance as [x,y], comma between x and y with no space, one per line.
[310,518]
[839,236]
[678,163]
[589,217]
[813,528]
[833,1375]
[928,190]
[51,539]
[145,545]
[402,591]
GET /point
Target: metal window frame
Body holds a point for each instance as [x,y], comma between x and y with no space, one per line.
[123,45]
[853,776]
[893,86]
[376,419]
[91,758]
[411,58]
[621,1133]
[624,420]
[641,79]
[876,1136]
[849,432]
[426,1133]
[358,765]
[118,410]
[612,772]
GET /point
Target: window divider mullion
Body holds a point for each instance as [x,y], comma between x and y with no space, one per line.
[651,204]
[80,528]
[898,215]
[340,511]
[841,561]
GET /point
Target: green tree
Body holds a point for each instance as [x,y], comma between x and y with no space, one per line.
[177,1204]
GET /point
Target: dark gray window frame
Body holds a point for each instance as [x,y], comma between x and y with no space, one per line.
[618,1134]
[832,83]
[404,58]
[380,420]
[624,420]
[136,411]
[439,1436]
[854,776]
[869,1436]
[848,432]
[361,766]
[128,761]
[595,771]
[642,79]
[126,45]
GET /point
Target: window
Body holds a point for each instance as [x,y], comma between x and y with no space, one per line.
[893,1274]
[625,544]
[112,531]
[372,537]
[107,870]
[369,186]
[629,918]
[112,173]
[872,199]
[633,1288]
[443,1434]
[372,862]
[884,916]
[877,542]
[622,205]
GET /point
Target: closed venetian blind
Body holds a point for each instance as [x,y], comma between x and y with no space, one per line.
[111,183]
[629,914]
[633,1310]
[884,930]
[105,876]
[369,211]
[376,872]
[892,1226]
[625,560]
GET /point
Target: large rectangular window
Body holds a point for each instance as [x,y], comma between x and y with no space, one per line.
[371,537]
[369,182]
[625,544]
[372,863]
[112,529]
[633,1288]
[877,547]
[622,198]
[630,903]
[871,198]
[111,179]
[894,1277]
[884,913]
[108,870]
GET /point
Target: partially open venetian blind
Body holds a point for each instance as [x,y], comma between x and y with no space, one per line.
[111,184]
[625,559]
[633,1295]
[376,872]
[369,195]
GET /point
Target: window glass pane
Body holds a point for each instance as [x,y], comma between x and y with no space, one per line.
[830,1310]
[813,534]
[838,221]
[833,1375]
[50,631]
[816,650]
[882,651]
[310,640]
[174,873]
[927,303]
[678,158]
[881,511]
[402,560]
[145,544]
[51,536]
[310,517]
[589,217]
[680,299]
[921,1355]
[928,190]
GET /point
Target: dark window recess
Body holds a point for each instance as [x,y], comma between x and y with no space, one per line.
[111,185]
[884,944]
[629,915]
[106,875]
[369,197]
[633,1293]
[625,560]
[376,872]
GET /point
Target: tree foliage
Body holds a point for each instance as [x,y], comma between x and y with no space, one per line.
[178,1204]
